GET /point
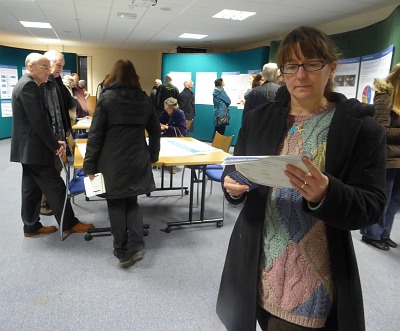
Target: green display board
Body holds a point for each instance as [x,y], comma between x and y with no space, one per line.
[15,57]
[369,40]
[242,62]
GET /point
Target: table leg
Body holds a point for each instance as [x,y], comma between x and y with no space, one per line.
[193,179]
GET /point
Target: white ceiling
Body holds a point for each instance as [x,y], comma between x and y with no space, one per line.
[94,23]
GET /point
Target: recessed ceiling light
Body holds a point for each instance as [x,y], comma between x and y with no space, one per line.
[193,36]
[234,14]
[128,16]
[166,8]
[39,25]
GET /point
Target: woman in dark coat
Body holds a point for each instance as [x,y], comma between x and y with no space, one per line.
[291,260]
[117,148]
[387,105]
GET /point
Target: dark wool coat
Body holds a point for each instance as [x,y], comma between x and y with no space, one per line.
[187,103]
[32,139]
[355,165]
[117,145]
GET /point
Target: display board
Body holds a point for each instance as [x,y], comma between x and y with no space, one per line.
[12,65]
[204,69]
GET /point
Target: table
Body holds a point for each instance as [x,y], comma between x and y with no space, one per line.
[83,124]
[192,162]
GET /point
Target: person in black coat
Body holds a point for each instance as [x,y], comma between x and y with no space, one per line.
[117,148]
[33,144]
[165,91]
[186,102]
[265,92]
[290,259]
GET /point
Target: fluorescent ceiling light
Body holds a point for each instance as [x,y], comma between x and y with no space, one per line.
[234,14]
[193,36]
[128,16]
[49,41]
[39,25]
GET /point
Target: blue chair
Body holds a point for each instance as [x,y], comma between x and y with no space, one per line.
[215,176]
[219,141]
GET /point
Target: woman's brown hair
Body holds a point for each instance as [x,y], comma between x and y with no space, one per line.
[312,43]
[123,73]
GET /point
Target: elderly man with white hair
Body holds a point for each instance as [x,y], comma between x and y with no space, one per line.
[35,144]
[265,92]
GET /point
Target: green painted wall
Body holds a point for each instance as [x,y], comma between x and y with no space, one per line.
[369,40]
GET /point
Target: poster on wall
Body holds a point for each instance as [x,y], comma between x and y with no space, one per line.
[6,109]
[8,79]
[245,81]
[346,76]
[373,66]
[178,78]
[205,87]
[231,80]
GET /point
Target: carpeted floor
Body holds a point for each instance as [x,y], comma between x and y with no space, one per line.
[47,284]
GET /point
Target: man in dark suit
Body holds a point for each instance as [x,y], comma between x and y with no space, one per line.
[33,144]
[187,103]
[265,92]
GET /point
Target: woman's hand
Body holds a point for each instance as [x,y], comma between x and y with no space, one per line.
[164,126]
[233,188]
[312,185]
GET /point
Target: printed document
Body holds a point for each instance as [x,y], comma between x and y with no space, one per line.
[266,170]
[95,186]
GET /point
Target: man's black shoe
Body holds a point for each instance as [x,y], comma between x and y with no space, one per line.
[376,243]
[389,242]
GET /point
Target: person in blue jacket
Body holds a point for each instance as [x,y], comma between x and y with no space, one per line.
[221,104]
[172,119]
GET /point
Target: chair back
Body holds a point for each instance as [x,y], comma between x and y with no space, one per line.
[91,104]
[222,142]
[188,124]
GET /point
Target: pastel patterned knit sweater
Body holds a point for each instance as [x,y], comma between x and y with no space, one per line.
[295,276]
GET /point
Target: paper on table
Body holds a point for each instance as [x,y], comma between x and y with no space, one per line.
[266,170]
[95,186]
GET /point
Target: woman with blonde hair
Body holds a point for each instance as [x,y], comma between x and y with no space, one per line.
[387,105]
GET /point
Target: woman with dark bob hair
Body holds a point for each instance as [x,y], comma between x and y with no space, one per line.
[291,264]
[117,148]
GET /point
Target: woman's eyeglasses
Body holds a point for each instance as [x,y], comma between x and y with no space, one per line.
[309,67]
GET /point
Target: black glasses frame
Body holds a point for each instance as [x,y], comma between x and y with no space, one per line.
[304,65]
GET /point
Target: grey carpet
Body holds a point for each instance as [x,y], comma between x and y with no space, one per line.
[76,284]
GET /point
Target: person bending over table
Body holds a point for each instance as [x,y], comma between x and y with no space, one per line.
[172,119]
[117,148]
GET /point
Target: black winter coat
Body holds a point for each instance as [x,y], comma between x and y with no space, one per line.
[117,145]
[355,165]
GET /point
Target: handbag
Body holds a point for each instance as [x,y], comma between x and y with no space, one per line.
[224,119]
[178,133]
